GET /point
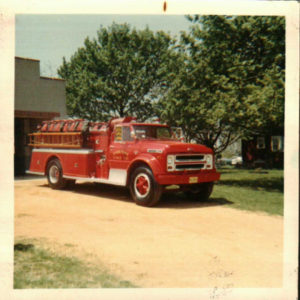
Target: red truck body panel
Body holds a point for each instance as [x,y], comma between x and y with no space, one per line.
[75,163]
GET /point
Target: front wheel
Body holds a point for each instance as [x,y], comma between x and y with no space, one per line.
[200,191]
[55,175]
[144,190]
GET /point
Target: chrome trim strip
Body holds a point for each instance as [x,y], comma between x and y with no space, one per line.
[191,154]
[116,177]
[191,169]
[154,151]
[93,179]
[188,162]
[35,173]
[72,151]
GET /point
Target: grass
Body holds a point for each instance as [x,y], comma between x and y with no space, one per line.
[254,190]
[268,180]
[36,267]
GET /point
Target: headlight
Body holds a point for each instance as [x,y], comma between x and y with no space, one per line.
[170,159]
[170,163]
[209,161]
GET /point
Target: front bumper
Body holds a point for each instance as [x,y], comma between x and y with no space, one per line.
[188,178]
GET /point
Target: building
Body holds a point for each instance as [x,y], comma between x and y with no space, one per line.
[37,98]
[266,151]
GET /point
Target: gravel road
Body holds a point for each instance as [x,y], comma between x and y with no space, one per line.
[179,243]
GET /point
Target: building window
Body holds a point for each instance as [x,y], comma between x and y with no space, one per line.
[261,144]
[276,143]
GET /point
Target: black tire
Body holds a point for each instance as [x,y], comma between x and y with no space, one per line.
[200,191]
[144,190]
[55,175]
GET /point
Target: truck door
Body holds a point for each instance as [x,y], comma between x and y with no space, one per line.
[130,146]
[101,152]
[123,147]
[116,149]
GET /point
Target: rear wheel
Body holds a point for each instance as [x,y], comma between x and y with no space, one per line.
[144,190]
[55,175]
[200,191]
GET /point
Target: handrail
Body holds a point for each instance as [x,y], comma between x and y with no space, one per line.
[54,133]
[54,146]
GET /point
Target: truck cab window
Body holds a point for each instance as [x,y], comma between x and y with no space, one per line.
[152,132]
[126,137]
[118,134]
[163,133]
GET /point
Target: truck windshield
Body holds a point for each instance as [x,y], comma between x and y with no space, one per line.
[152,132]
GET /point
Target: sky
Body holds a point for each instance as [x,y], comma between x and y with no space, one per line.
[49,38]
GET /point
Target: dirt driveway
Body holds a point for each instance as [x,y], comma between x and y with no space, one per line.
[179,243]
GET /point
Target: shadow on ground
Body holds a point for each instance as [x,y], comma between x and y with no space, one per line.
[23,247]
[117,193]
[267,184]
[179,201]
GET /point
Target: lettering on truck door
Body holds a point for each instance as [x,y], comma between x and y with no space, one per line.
[130,146]
[116,153]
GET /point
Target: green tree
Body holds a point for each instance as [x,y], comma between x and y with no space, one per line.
[230,82]
[117,74]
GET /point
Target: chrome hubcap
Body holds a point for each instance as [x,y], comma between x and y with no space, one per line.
[142,185]
[54,174]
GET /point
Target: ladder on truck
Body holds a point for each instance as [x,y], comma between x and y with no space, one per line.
[56,140]
[62,133]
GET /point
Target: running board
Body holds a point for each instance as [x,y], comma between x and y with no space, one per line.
[120,177]
[93,179]
[35,173]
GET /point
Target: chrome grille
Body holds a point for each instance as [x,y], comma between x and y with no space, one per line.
[190,167]
[189,157]
[182,162]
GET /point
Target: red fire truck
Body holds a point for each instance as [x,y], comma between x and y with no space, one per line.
[146,158]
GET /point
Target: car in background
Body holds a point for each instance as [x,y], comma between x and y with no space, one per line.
[237,161]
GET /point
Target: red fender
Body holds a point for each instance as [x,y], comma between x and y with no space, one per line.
[149,160]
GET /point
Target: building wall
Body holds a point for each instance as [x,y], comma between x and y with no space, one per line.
[36,99]
[22,156]
[35,93]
